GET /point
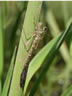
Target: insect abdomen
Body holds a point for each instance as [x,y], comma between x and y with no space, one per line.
[38,37]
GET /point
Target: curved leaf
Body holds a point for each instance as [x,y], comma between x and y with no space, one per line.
[39,59]
[36,63]
[49,58]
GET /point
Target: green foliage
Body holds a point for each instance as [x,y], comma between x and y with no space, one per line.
[1,44]
[9,76]
[28,28]
[56,74]
[68,91]
[54,47]
[39,59]
[2,20]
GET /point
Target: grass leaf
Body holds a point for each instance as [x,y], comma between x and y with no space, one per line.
[48,58]
[68,91]
[28,28]
[1,44]
[9,75]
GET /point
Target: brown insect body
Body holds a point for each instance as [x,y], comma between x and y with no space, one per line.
[38,36]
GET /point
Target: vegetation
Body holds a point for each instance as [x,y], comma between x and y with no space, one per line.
[50,71]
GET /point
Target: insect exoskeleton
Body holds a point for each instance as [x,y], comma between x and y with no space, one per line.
[39,34]
[40,27]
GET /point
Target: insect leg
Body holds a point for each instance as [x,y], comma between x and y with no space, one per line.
[26,38]
[28,44]
[28,41]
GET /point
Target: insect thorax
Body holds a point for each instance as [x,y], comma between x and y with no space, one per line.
[40,29]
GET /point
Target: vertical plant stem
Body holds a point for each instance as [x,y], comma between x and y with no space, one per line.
[28,27]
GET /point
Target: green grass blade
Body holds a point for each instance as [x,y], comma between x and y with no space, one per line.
[38,60]
[8,78]
[1,44]
[50,56]
[70,44]
[14,30]
[65,12]
[55,30]
[69,39]
[67,92]
[3,9]
[0,87]
[28,27]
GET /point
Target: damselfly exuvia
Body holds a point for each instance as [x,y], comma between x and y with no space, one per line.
[38,37]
